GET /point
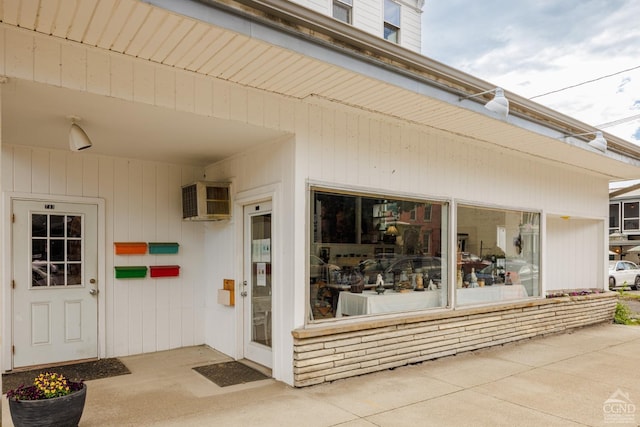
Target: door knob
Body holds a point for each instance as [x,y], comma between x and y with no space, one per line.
[93,291]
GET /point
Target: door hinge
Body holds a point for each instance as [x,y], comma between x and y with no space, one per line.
[13,284]
[13,349]
[13,218]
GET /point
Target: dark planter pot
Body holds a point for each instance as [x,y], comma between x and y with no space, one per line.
[64,411]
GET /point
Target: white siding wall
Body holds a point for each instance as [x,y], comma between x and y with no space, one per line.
[575,257]
[370,152]
[321,6]
[367,16]
[142,203]
[411,29]
[265,170]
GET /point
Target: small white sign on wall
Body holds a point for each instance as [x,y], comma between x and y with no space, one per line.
[261,274]
[261,250]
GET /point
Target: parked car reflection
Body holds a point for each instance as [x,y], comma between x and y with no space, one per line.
[370,268]
[470,261]
[520,273]
[320,270]
[392,268]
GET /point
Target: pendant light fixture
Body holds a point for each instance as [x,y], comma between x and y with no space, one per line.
[78,139]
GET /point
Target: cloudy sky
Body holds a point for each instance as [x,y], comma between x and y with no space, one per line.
[532,47]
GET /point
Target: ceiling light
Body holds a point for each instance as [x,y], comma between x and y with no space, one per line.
[78,139]
[499,104]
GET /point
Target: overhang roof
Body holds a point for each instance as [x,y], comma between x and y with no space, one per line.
[282,48]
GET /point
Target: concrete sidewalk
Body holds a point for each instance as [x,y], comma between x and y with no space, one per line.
[560,380]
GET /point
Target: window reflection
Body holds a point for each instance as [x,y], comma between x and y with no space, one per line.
[358,240]
[39,225]
[499,249]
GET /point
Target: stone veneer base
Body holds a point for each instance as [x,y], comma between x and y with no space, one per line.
[331,351]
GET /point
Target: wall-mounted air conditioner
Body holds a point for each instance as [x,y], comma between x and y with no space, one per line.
[206,201]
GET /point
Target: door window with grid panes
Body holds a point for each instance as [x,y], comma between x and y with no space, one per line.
[56,249]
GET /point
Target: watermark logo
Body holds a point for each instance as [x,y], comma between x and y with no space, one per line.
[619,409]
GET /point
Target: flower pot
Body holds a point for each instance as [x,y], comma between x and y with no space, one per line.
[63,411]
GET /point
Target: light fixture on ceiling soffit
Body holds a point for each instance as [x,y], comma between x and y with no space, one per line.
[499,104]
[78,139]
[598,142]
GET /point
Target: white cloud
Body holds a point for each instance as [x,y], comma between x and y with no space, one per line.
[532,47]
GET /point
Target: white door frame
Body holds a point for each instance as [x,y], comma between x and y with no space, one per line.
[242,199]
[252,350]
[7,269]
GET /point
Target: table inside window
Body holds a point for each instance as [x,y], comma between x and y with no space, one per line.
[495,293]
[369,302]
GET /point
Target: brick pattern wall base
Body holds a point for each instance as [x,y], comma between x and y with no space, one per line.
[336,350]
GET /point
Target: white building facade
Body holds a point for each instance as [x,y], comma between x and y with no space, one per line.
[395,21]
[343,156]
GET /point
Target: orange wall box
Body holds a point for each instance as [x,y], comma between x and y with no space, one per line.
[130,248]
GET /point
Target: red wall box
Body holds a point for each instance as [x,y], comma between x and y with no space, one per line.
[165,270]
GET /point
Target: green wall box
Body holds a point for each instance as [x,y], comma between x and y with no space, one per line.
[131,272]
[163,248]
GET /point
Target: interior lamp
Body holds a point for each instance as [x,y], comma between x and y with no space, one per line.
[392,230]
[78,139]
[499,104]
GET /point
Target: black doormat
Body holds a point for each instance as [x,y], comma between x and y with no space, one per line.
[230,373]
[103,368]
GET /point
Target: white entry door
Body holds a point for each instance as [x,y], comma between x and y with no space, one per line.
[55,294]
[257,284]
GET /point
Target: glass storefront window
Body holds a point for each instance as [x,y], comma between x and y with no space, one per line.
[362,242]
[498,255]
[375,254]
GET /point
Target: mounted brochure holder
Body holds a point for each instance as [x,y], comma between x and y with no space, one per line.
[226,296]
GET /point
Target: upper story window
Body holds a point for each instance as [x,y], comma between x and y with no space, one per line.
[427,212]
[342,10]
[391,21]
[631,216]
[614,217]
